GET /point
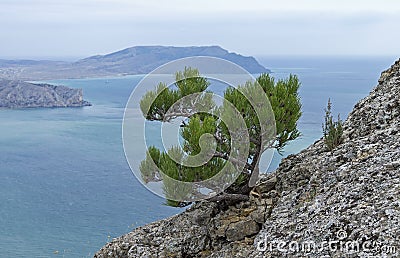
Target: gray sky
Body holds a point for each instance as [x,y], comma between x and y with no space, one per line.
[79,28]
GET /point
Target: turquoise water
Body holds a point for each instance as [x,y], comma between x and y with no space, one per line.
[65,186]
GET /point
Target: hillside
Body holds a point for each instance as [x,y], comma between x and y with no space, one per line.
[345,202]
[19,94]
[134,60]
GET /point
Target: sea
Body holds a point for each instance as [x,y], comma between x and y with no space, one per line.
[65,186]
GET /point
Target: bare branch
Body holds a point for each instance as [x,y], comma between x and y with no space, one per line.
[233,160]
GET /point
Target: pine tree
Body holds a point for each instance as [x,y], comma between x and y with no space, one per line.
[286,107]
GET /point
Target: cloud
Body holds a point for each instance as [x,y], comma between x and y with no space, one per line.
[78,27]
[182,9]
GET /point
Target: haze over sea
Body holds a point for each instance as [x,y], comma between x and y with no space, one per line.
[66,188]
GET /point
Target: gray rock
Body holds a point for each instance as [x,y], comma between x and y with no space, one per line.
[241,229]
[18,94]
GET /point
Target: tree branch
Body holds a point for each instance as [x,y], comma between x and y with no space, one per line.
[172,115]
[227,157]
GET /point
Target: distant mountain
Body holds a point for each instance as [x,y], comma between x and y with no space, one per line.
[19,94]
[134,60]
[144,59]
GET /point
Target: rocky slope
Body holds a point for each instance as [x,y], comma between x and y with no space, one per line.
[134,60]
[318,203]
[18,94]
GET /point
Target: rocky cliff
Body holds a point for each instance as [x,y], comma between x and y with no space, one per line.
[318,203]
[18,94]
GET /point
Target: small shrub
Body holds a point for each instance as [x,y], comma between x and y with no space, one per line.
[333,130]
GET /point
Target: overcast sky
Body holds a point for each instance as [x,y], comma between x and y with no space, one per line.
[79,28]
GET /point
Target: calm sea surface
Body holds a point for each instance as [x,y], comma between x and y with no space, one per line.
[66,188]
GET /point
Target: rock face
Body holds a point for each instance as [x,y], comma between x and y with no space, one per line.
[18,94]
[134,60]
[318,203]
